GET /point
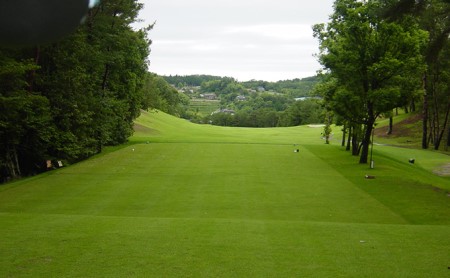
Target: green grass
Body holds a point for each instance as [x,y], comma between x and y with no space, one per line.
[185,200]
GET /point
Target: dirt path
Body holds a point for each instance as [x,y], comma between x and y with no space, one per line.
[443,170]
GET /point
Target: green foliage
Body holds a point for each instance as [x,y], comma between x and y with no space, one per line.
[292,88]
[303,112]
[158,94]
[75,95]
[189,80]
[432,16]
[370,61]
[255,103]
[25,122]
[327,128]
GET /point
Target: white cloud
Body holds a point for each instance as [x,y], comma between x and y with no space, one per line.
[245,39]
[289,32]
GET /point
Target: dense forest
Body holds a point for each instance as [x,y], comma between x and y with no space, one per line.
[64,101]
[380,55]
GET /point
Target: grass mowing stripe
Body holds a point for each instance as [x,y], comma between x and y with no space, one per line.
[207,180]
[409,190]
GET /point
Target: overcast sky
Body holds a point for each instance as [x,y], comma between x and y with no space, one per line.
[245,39]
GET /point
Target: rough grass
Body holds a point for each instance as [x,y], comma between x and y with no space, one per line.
[185,200]
[407,131]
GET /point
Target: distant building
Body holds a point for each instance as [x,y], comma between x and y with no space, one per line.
[241,98]
[227,111]
[305,98]
[189,89]
[209,96]
[261,89]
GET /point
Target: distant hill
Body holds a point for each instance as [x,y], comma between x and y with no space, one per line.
[295,87]
[254,103]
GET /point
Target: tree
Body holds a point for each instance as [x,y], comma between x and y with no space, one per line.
[369,58]
[158,94]
[307,111]
[433,17]
[94,78]
[67,99]
[26,128]
[436,21]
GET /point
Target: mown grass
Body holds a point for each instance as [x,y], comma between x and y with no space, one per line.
[185,200]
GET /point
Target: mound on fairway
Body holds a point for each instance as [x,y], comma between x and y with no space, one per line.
[186,200]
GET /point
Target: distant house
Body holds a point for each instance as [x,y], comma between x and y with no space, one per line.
[301,98]
[241,98]
[227,111]
[261,89]
[305,98]
[209,96]
[189,89]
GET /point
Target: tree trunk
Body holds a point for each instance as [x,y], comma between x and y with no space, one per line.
[12,162]
[344,134]
[425,114]
[436,122]
[365,144]
[391,125]
[413,106]
[327,128]
[349,139]
[105,77]
[367,134]
[448,139]
[355,144]
[441,134]
[16,161]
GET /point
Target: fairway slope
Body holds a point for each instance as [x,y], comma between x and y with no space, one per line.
[187,200]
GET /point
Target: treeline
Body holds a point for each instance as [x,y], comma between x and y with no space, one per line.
[210,83]
[65,100]
[261,111]
[293,88]
[253,103]
[380,55]
[190,80]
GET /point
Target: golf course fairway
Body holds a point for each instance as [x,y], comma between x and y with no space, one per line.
[187,200]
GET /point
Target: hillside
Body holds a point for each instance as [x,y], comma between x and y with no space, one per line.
[406,131]
[188,200]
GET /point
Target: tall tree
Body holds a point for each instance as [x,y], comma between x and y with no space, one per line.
[69,98]
[94,79]
[369,58]
[433,17]
[26,128]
